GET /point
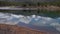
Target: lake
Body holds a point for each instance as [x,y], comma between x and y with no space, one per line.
[42,19]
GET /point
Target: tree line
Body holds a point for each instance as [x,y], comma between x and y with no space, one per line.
[25,4]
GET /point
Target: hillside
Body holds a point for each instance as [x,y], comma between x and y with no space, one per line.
[13,29]
[29,2]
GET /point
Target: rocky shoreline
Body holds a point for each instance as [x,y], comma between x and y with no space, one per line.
[49,8]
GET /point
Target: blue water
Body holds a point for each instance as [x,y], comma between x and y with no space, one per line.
[37,22]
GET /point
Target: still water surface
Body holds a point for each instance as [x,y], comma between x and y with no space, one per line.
[36,18]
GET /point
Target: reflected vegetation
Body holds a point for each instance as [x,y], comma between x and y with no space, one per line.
[46,13]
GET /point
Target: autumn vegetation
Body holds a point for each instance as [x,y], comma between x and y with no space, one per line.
[14,29]
[4,3]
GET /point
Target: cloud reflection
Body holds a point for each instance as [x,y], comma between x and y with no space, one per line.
[12,19]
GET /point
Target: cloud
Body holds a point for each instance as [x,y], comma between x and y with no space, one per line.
[42,21]
[56,25]
[8,19]
[25,20]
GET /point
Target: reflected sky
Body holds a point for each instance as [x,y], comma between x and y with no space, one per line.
[12,19]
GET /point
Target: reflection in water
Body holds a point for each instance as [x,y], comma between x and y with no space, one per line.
[45,13]
[12,19]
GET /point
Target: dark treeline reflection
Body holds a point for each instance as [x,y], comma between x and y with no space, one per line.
[45,13]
